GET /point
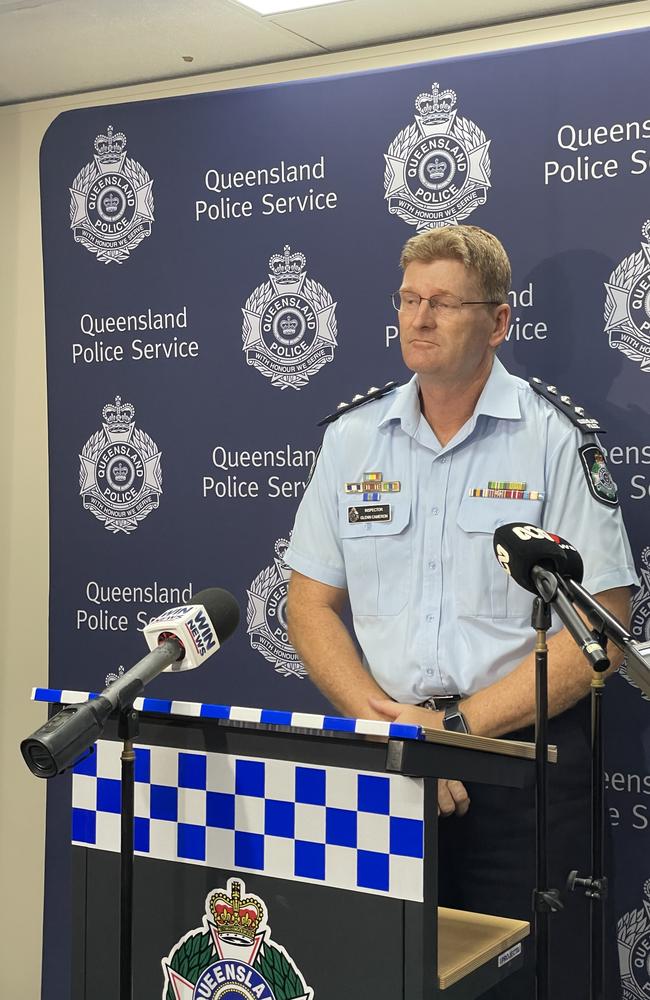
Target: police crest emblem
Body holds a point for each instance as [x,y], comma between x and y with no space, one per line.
[627,304]
[640,613]
[120,478]
[634,950]
[232,955]
[289,330]
[111,201]
[266,617]
[438,168]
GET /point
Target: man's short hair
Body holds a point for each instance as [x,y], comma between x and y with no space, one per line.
[477,249]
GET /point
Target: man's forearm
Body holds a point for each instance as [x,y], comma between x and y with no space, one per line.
[509,704]
[326,648]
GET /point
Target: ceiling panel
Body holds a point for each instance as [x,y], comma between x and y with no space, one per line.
[75,45]
[372,22]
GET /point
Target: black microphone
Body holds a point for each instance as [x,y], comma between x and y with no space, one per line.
[538,561]
[180,639]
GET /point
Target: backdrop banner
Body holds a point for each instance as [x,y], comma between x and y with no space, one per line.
[218,270]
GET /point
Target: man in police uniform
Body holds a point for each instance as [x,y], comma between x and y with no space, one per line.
[460,449]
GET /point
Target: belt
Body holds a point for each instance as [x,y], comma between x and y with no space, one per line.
[440,702]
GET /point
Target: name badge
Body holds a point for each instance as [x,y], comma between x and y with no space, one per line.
[375,512]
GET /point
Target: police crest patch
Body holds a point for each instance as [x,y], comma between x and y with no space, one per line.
[438,168]
[599,480]
[627,304]
[289,330]
[120,479]
[232,955]
[640,614]
[266,617]
[111,201]
[633,931]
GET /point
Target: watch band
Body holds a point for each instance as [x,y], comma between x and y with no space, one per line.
[454,720]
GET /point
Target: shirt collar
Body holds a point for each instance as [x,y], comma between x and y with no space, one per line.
[499,398]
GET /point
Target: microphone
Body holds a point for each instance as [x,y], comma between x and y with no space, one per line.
[539,561]
[179,639]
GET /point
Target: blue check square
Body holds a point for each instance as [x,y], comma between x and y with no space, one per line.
[373,794]
[108,795]
[143,765]
[310,785]
[220,810]
[249,850]
[249,778]
[164,802]
[191,841]
[192,768]
[406,837]
[141,834]
[309,859]
[372,870]
[87,764]
[84,826]
[279,818]
[341,827]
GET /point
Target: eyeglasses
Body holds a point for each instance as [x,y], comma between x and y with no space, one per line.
[444,305]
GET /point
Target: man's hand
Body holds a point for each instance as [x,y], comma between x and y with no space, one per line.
[453,799]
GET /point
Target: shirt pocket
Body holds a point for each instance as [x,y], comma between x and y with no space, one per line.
[482,588]
[377,557]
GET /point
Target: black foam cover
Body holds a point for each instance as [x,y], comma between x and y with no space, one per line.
[519,547]
[222,610]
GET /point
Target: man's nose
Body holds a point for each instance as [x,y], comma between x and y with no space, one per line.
[425,315]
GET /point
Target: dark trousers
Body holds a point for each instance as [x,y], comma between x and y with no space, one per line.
[487,862]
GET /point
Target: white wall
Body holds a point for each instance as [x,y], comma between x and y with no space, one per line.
[23,434]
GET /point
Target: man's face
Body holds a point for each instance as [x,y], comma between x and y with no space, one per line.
[453,347]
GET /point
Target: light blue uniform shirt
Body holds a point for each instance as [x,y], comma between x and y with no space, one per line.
[433,611]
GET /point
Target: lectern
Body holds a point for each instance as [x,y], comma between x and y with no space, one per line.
[281,856]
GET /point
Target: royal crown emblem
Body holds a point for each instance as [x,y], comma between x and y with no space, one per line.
[289,330]
[627,304]
[634,950]
[438,168]
[237,920]
[111,201]
[120,478]
[266,616]
[232,954]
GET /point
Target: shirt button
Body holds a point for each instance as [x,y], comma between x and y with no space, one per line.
[432,564]
[443,460]
[434,510]
[429,618]
[429,671]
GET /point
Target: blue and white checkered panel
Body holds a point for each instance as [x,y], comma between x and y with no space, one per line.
[338,827]
[235,713]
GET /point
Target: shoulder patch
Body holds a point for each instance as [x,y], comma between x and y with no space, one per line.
[601,485]
[358,400]
[563,403]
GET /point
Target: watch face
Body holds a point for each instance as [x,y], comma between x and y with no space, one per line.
[455,721]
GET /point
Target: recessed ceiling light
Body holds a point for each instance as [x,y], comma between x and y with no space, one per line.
[282,6]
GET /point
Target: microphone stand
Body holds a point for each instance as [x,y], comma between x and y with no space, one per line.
[128,730]
[594,886]
[545,900]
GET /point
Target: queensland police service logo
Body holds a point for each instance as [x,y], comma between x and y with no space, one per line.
[266,616]
[634,950]
[232,956]
[289,329]
[627,304]
[120,477]
[111,204]
[640,615]
[438,168]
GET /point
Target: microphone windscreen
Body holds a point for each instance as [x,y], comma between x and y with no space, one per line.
[575,569]
[519,547]
[222,610]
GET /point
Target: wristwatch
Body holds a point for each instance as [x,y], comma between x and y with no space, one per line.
[454,720]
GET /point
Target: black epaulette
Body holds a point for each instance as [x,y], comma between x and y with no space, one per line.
[358,400]
[576,414]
